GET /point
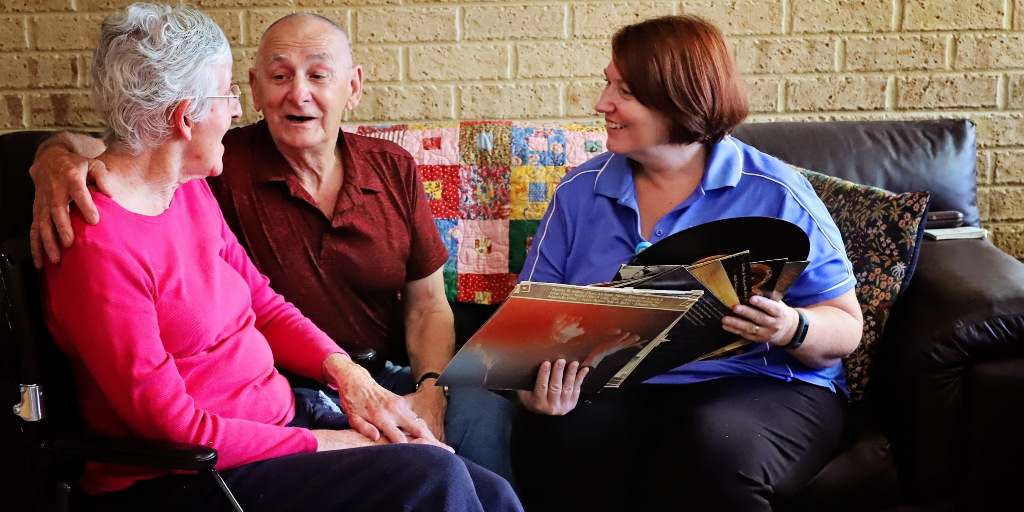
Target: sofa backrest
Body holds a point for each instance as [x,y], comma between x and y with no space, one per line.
[936,155]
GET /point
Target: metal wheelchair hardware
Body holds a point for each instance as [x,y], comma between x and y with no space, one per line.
[31,406]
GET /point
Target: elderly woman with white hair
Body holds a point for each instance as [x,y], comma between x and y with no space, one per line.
[171,332]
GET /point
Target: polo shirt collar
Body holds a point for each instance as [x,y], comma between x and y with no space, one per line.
[358,172]
[724,168]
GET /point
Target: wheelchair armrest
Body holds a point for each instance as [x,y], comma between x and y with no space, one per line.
[137,452]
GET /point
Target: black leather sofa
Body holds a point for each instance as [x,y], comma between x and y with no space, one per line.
[939,427]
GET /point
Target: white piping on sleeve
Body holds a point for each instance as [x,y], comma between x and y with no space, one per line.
[551,208]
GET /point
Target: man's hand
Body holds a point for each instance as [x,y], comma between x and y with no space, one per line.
[429,403]
[343,439]
[61,176]
[371,409]
[555,394]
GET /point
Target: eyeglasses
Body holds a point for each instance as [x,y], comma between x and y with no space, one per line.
[236,93]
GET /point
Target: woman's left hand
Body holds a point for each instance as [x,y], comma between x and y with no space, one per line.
[768,321]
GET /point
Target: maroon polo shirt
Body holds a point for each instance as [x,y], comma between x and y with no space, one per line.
[345,273]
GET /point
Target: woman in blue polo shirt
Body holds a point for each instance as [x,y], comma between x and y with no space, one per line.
[729,434]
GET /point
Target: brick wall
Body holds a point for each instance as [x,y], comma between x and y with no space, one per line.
[542,60]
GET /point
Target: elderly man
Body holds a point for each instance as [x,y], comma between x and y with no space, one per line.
[338,222]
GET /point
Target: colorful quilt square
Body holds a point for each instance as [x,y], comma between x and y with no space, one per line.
[441,185]
[449,231]
[543,146]
[483,247]
[520,238]
[583,145]
[474,137]
[394,133]
[433,144]
[532,189]
[485,193]
[538,192]
[451,286]
[486,288]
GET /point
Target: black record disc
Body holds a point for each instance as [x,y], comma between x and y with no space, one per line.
[766,238]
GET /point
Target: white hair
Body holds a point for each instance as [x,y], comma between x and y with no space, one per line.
[149,59]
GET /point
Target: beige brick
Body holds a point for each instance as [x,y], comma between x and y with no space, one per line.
[842,15]
[790,55]
[1008,237]
[85,67]
[836,93]
[927,92]
[458,62]
[514,22]
[742,17]
[1018,15]
[37,71]
[231,24]
[342,3]
[243,61]
[602,20]
[1016,96]
[67,31]
[103,5]
[62,109]
[952,14]
[990,52]
[510,101]
[257,22]
[549,60]
[982,169]
[582,98]
[999,130]
[1008,167]
[763,94]
[1001,203]
[895,53]
[243,3]
[382,104]
[405,25]
[35,5]
[11,111]
[12,34]
[380,64]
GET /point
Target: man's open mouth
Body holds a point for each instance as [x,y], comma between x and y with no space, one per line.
[299,119]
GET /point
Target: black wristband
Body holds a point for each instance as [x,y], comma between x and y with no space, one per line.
[800,333]
[428,375]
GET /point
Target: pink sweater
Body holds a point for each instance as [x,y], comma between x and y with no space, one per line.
[173,334]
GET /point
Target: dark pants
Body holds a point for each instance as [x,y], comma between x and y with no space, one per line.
[402,477]
[726,444]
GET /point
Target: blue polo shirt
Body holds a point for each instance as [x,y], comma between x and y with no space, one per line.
[592,226]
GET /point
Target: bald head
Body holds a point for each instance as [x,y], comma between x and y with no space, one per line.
[299,24]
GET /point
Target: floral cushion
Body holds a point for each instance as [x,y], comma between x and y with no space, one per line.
[882,232]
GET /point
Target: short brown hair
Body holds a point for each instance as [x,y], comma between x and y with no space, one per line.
[682,67]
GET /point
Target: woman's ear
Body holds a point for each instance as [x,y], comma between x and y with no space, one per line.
[180,120]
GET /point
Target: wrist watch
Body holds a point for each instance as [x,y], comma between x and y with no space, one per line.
[800,333]
[431,375]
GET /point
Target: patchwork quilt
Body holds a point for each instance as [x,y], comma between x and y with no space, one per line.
[489,184]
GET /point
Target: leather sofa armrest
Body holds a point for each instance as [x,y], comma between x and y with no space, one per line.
[964,306]
[137,452]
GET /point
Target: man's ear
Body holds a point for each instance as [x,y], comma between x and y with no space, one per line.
[254,89]
[357,88]
[180,120]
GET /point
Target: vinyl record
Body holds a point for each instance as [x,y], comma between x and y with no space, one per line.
[766,238]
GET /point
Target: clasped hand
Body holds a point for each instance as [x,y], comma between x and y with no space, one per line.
[373,410]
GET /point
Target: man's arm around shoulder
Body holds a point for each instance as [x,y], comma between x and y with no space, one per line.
[64,165]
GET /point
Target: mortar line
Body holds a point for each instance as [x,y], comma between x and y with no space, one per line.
[951,48]
[1008,13]
[1002,91]
[787,17]
[897,15]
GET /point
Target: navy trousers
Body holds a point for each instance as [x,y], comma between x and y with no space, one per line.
[730,444]
[399,477]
